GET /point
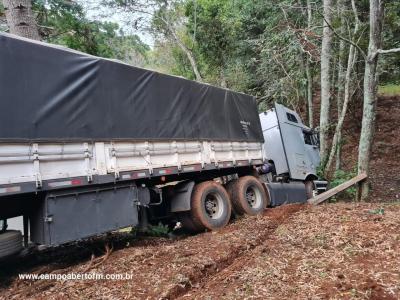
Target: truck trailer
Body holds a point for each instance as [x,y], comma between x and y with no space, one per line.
[91,145]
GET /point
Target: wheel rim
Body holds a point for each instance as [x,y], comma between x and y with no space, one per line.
[253,197]
[214,205]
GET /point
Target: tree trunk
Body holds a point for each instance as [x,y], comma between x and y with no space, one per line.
[20,18]
[309,74]
[342,108]
[172,34]
[310,94]
[325,79]
[190,56]
[341,78]
[338,132]
[370,90]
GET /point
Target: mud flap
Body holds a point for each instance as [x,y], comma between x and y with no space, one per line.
[286,193]
[181,200]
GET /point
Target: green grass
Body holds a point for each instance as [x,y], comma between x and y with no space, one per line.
[389,90]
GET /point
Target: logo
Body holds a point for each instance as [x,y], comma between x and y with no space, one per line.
[245,127]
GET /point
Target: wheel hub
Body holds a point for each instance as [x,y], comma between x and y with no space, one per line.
[213,206]
[253,196]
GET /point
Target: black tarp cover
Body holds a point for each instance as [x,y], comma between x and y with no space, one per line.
[50,93]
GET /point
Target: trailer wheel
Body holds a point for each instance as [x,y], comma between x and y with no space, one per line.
[10,243]
[210,207]
[248,196]
[187,222]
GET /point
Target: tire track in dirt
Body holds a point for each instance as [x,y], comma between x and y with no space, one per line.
[335,251]
[162,270]
[198,279]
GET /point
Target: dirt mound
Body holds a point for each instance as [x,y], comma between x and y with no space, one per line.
[385,162]
[332,251]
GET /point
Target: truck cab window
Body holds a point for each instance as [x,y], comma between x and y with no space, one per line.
[291,117]
[308,138]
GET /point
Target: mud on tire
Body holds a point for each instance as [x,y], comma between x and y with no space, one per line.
[247,195]
[210,207]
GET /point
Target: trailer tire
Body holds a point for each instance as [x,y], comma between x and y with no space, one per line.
[187,222]
[211,207]
[10,243]
[248,196]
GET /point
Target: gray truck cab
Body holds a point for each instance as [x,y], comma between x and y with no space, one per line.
[285,133]
[292,151]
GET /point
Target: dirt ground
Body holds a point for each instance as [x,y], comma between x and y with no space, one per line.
[332,251]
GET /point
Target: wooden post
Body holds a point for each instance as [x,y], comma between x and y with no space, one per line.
[332,192]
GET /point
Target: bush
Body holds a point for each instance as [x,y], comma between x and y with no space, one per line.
[159,230]
[340,177]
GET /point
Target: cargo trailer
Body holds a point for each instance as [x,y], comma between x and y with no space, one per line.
[90,145]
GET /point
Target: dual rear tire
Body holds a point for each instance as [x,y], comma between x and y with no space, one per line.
[212,204]
[210,208]
[248,196]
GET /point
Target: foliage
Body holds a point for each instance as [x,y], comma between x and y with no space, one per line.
[3,21]
[65,23]
[389,64]
[159,230]
[214,22]
[378,211]
[255,47]
[340,177]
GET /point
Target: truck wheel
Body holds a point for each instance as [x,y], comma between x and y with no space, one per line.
[187,222]
[10,243]
[247,195]
[210,206]
[309,189]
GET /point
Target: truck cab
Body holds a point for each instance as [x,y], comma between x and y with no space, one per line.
[291,150]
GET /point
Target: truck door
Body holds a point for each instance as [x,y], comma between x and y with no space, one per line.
[312,147]
[291,129]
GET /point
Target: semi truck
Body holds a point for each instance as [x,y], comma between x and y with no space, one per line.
[91,145]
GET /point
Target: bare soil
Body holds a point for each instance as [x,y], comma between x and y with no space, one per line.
[333,251]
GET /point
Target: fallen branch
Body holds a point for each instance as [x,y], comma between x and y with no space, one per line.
[95,262]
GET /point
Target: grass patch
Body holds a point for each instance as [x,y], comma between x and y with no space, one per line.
[389,90]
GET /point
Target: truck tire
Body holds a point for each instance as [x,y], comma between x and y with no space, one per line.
[187,222]
[210,206]
[10,243]
[248,196]
[309,189]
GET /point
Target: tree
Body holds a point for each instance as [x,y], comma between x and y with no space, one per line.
[166,19]
[65,23]
[341,6]
[309,73]
[376,14]
[325,78]
[214,34]
[343,105]
[20,18]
